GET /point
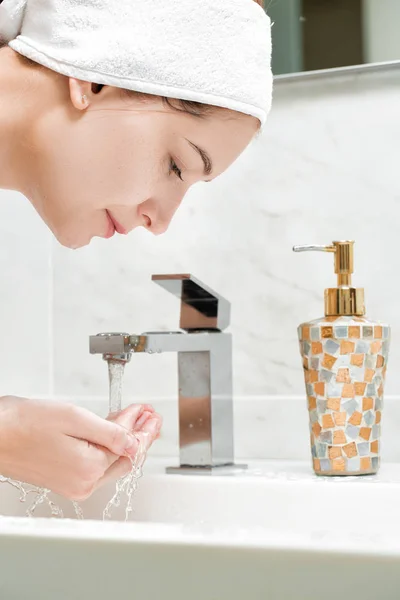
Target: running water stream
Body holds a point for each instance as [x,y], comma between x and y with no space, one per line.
[125,486]
[116,370]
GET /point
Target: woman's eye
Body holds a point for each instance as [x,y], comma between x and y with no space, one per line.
[174,167]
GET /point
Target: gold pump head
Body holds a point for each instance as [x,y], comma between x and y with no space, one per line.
[343,299]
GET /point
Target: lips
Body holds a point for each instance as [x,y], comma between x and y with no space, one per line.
[114,226]
[111,227]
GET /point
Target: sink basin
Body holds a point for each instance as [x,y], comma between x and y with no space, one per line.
[275,531]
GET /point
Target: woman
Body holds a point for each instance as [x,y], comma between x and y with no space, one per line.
[109,112]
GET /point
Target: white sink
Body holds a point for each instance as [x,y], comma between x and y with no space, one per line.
[275,532]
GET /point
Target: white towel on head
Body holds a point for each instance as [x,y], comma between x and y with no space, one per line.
[11,15]
[215,52]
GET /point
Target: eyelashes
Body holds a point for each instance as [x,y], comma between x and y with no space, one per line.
[174,167]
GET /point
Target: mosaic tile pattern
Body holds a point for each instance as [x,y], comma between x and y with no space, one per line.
[344,361]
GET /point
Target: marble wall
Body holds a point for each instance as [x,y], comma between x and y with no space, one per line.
[325,168]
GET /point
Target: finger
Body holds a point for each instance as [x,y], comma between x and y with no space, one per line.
[152,428]
[128,416]
[142,420]
[100,454]
[149,408]
[120,468]
[123,465]
[82,424]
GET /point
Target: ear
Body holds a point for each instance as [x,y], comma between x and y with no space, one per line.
[80,93]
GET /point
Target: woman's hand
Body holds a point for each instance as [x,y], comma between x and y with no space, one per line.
[68,449]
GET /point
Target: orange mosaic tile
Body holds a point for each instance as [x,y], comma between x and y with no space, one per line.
[359,388]
[378,331]
[357,360]
[355,418]
[333,403]
[378,417]
[305,333]
[368,404]
[380,390]
[380,361]
[312,403]
[375,447]
[348,390]
[346,347]
[338,464]
[316,464]
[326,332]
[328,361]
[305,363]
[313,376]
[319,388]
[316,428]
[369,375]
[365,463]
[350,450]
[365,433]
[331,319]
[339,437]
[316,347]
[343,376]
[354,331]
[339,418]
[327,422]
[334,452]
[375,347]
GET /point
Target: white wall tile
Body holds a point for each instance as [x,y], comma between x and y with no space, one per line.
[25,298]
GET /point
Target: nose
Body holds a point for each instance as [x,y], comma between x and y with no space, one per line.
[156,215]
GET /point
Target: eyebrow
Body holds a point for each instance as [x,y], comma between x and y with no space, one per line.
[208,165]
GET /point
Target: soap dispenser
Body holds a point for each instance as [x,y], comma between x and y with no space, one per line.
[344,359]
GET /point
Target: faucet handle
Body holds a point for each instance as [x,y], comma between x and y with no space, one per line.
[201,307]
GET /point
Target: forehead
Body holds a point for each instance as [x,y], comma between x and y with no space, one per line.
[223,135]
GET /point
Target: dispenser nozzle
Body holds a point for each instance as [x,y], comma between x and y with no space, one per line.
[344,259]
[343,300]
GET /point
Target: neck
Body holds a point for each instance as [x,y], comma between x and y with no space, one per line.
[14,118]
[26,95]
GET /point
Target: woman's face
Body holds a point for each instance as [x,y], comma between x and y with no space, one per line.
[118,162]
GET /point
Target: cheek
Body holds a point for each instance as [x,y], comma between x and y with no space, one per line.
[118,160]
[97,162]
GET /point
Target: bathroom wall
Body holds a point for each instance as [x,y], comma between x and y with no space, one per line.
[325,168]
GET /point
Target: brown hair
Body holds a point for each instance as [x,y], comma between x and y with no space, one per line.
[197,109]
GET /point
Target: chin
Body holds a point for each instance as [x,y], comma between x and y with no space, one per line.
[70,242]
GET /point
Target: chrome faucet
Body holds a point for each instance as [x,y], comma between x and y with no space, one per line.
[204,372]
